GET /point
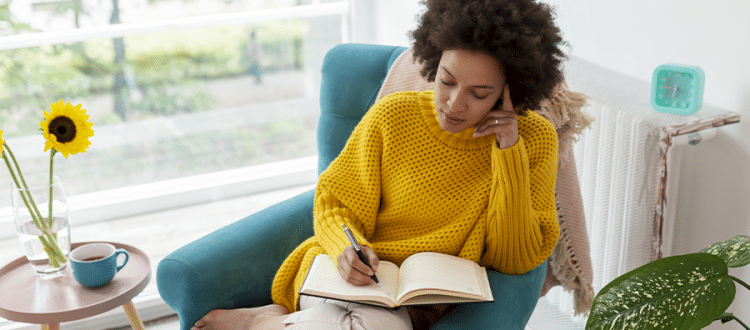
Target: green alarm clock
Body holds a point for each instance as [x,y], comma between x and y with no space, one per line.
[677,88]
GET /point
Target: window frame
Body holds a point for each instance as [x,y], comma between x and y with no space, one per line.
[169,194]
[84,206]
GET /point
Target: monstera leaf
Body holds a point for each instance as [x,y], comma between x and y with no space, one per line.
[735,251]
[680,292]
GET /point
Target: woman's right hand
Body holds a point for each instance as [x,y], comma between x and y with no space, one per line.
[355,271]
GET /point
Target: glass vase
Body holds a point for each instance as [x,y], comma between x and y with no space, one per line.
[50,238]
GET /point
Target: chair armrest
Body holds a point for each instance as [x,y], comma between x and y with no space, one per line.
[515,296]
[235,265]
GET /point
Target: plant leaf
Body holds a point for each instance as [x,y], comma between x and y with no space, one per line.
[735,251]
[680,292]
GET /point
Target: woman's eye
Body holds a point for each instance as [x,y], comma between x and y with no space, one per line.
[480,97]
[446,83]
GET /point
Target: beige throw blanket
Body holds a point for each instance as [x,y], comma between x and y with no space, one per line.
[570,262]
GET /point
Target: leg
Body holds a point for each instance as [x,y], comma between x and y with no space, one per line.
[267,317]
[51,326]
[132,313]
[317,314]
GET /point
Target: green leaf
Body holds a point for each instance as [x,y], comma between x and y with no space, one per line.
[735,251]
[680,292]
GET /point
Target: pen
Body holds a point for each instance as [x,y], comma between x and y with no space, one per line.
[359,251]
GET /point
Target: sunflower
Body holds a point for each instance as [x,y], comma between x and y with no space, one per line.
[66,129]
[1,143]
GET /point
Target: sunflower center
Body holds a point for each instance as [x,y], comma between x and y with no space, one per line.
[63,128]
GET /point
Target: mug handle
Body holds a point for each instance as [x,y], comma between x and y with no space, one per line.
[118,252]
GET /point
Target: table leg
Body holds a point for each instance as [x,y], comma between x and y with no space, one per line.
[135,319]
[51,326]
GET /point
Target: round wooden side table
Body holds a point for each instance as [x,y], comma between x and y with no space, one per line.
[24,297]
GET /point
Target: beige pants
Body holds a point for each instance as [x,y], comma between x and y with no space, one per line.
[318,313]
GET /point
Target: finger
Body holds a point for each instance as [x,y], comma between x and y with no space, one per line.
[491,131]
[360,266]
[507,102]
[493,115]
[488,121]
[345,261]
[372,257]
[351,275]
[494,125]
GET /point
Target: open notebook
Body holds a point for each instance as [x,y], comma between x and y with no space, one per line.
[425,278]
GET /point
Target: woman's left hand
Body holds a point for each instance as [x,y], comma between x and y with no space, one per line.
[502,122]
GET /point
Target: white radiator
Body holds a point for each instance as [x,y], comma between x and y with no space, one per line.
[628,167]
[617,165]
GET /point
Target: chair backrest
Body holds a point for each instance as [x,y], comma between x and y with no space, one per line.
[351,78]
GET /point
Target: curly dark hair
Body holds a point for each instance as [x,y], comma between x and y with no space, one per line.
[521,34]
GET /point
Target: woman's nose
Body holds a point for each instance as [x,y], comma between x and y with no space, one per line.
[454,101]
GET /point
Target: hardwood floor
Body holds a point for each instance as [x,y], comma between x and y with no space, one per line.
[170,322]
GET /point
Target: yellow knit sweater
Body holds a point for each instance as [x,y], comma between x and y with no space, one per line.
[404,185]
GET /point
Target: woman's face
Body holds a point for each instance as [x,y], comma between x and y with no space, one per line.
[467,86]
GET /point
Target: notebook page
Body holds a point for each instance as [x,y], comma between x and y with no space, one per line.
[439,271]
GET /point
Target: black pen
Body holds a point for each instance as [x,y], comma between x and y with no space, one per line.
[359,251]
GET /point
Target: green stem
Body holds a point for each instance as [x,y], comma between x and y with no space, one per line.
[49,204]
[729,317]
[59,255]
[740,282]
[55,254]
[23,189]
[54,257]
[55,246]
[740,322]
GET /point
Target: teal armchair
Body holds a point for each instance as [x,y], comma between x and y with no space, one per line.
[234,266]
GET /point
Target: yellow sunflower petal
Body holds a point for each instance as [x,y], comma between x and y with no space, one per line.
[2,143]
[66,128]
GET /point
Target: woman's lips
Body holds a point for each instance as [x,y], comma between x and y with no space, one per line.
[452,120]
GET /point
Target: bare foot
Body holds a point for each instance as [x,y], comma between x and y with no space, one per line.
[242,318]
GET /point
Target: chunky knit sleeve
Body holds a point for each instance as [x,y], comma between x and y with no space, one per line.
[522,226]
[348,191]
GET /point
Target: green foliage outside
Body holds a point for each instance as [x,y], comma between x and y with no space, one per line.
[168,69]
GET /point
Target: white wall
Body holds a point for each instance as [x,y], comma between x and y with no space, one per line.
[635,36]
[393,21]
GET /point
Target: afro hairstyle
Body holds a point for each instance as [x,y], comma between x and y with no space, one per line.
[520,34]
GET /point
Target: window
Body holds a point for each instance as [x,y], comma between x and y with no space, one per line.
[193,85]
[179,91]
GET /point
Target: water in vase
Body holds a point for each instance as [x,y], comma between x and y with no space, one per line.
[29,236]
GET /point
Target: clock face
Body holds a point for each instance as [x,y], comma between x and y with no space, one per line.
[677,89]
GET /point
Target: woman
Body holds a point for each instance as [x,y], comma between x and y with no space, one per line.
[460,170]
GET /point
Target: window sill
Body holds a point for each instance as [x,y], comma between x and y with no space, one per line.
[170,194]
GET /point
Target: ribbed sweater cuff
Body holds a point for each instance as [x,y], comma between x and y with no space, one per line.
[513,190]
[334,241]
[512,166]
[329,229]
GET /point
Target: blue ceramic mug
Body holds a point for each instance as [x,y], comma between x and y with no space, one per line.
[95,264]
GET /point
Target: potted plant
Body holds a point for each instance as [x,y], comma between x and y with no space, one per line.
[687,291]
